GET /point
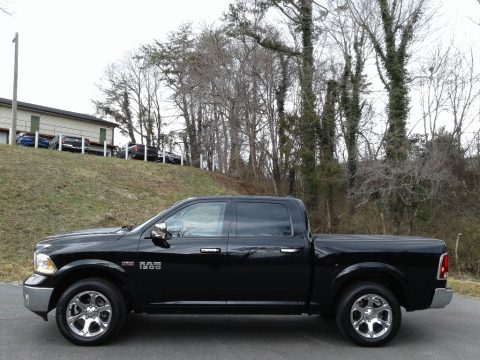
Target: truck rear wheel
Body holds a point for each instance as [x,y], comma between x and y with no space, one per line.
[369,314]
[90,312]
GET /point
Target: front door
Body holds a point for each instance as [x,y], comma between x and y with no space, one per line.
[188,269]
[267,255]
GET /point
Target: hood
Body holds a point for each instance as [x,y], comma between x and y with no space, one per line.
[84,236]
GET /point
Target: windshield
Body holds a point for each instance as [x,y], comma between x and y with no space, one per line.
[138,227]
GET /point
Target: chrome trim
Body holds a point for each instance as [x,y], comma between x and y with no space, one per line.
[289,251]
[210,250]
[441,298]
[36,299]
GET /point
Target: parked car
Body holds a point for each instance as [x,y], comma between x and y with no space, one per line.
[170,158]
[246,255]
[69,143]
[137,151]
[28,139]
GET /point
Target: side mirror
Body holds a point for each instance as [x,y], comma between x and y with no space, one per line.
[159,232]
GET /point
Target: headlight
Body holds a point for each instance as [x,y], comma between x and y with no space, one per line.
[43,264]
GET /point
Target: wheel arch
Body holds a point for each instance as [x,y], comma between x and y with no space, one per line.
[84,269]
[381,273]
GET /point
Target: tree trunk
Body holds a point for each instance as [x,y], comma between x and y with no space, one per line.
[308,116]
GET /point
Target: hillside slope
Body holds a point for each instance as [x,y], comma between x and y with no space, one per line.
[44,192]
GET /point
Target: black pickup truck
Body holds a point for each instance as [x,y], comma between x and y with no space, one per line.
[247,255]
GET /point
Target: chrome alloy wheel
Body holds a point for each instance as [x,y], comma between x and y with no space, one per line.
[89,314]
[371,316]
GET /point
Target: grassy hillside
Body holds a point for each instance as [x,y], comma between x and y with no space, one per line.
[43,192]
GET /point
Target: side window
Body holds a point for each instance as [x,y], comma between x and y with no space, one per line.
[262,219]
[198,220]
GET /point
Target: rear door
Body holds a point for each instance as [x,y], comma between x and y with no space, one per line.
[267,255]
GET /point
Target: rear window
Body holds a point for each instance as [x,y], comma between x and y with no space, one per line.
[263,220]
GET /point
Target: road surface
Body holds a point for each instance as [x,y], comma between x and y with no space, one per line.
[450,333]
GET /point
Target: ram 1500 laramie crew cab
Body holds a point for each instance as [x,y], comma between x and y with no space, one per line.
[231,255]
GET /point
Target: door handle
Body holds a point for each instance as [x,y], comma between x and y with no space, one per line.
[210,250]
[289,251]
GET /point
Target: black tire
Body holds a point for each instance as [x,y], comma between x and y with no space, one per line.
[115,318]
[346,315]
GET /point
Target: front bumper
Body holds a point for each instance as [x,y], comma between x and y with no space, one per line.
[36,298]
[441,298]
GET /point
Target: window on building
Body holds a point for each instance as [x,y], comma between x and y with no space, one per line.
[263,220]
[34,123]
[103,135]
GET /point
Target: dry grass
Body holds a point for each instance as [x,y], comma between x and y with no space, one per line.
[465,287]
[44,192]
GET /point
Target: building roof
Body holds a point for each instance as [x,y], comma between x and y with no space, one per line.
[48,110]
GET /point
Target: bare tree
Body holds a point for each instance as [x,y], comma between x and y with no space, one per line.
[392,27]
[463,88]
[115,101]
[300,15]
[449,86]
[432,84]
[428,176]
[350,39]
[130,93]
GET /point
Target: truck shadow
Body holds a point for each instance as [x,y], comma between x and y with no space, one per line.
[256,330]
[248,328]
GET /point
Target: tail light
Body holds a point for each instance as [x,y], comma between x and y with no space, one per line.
[443,267]
[135,148]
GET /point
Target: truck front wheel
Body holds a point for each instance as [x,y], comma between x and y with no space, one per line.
[90,312]
[369,314]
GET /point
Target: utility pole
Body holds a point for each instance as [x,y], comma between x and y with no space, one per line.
[13,133]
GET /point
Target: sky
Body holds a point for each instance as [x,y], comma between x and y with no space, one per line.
[65,46]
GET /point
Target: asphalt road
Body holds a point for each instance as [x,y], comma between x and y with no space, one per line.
[451,333]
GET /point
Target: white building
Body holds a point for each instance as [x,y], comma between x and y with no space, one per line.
[50,122]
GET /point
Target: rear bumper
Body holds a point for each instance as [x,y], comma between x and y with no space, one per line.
[441,298]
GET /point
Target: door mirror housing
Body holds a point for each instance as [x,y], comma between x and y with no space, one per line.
[159,232]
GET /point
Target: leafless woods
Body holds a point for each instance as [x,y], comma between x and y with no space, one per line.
[345,103]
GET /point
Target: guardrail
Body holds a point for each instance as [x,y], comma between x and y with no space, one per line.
[50,129]
[60,142]
[62,131]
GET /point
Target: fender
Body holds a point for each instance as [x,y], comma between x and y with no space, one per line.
[367,269]
[114,270]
